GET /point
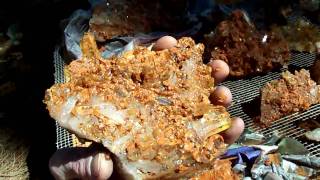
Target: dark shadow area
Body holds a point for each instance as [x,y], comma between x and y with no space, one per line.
[24,110]
[252,108]
[309,124]
[293,68]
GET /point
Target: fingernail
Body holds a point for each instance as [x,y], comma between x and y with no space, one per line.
[107,157]
[216,69]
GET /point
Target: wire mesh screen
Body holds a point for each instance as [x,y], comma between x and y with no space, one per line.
[64,138]
[245,92]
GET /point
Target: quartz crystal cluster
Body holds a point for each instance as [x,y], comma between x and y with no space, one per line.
[151,109]
[292,93]
[246,50]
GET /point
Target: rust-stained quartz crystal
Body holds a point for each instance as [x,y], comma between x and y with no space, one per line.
[302,35]
[246,50]
[118,17]
[292,93]
[149,108]
[114,18]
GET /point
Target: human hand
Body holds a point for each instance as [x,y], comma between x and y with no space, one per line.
[95,163]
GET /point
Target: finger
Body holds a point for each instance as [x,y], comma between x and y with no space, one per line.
[221,96]
[220,70]
[232,134]
[165,42]
[80,163]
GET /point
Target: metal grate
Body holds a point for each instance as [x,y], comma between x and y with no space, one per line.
[244,91]
[64,138]
[286,126]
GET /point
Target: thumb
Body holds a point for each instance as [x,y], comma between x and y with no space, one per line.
[81,163]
